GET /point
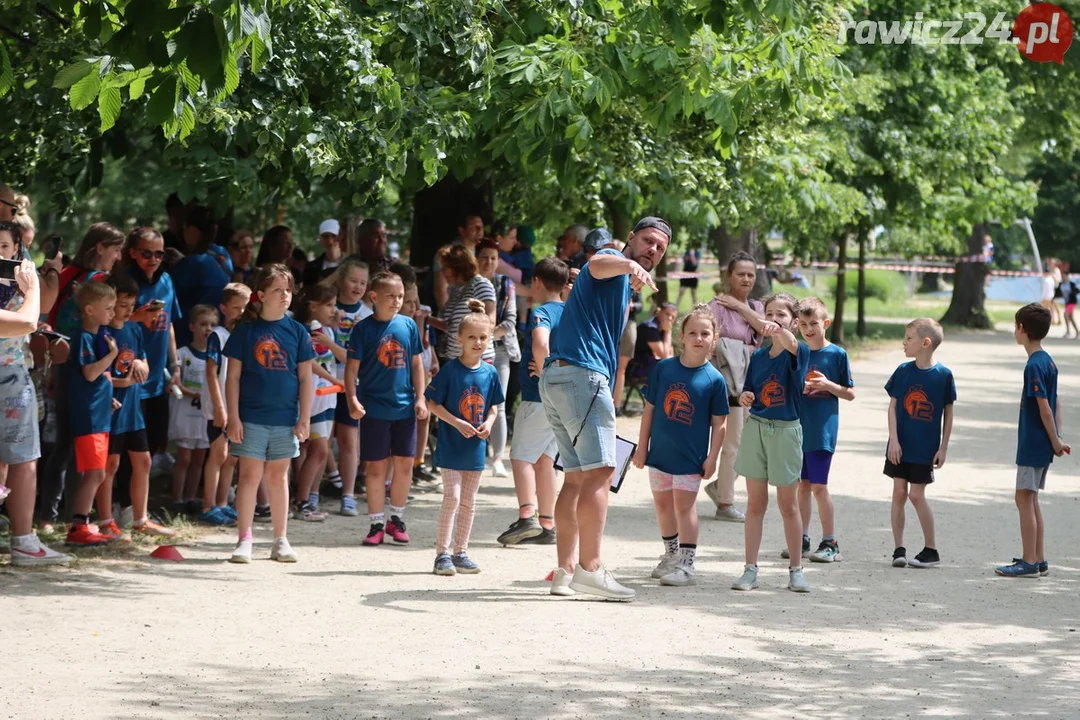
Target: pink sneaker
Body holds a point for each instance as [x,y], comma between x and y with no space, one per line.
[375,535]
[396,530]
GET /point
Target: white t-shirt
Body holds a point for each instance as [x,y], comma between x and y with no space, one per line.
[325,359]
[1048,286]
[186,414]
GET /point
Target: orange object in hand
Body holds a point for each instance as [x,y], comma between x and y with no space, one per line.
[330,390]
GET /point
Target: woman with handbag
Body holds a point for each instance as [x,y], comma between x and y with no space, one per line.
[740,319]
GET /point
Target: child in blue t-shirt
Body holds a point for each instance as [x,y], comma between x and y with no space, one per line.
[464,396]
[91,402]
[268,397]
[1039,441]
[128,432]
[921,397]
[828,380]
[770,452]
[681,442]
[386,371]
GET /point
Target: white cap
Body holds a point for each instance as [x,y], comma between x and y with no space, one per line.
[329,226]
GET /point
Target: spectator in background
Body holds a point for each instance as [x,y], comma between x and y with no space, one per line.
[654,341]
[691,259]
[197,278]
[242,253]
[372,247]
[298,265]
[470,233]
[277,249]
[464,281]
[570,246]
[321,267]
[8,205]
[507,350]
[50,269]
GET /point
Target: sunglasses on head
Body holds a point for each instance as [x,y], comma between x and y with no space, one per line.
[152,254]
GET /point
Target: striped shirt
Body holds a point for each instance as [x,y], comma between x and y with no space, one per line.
[457,307]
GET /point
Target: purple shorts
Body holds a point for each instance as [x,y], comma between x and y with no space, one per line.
[380,439]
[815,466]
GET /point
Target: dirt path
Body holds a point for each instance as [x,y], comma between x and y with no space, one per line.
[352,632]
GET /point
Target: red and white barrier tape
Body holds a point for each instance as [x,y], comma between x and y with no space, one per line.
[942,269]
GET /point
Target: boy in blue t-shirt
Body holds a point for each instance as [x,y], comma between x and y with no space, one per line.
[922,393]
[91,401]
[828,380]
[1038,442]
[532,455]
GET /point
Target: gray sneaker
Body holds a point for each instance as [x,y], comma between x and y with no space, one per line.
[668,562]
[748,581]
[730,514]
[348,506]
[682,575]
[444,565]
[242,554]
[464,565]
[600,583]
[282,551]
[797,581]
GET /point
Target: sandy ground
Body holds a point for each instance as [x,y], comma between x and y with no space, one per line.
[353,632]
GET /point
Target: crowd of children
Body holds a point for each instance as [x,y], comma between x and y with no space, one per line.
[267,386]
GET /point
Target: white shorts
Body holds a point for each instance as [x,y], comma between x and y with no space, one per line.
[533,435]
[193,443]
[321,430]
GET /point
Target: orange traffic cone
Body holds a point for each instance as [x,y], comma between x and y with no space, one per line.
[167,552]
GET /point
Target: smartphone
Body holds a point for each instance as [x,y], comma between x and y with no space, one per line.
[155,305]
[7,268]
[52,246]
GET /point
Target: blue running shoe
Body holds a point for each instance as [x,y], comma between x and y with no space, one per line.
[229,511]
[1019,569]
[215,516]
[1044,567]
[444,565]
[464,565]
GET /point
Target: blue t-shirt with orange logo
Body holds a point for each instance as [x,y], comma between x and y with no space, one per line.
[385,350]
[271,352]
[1033,448]
[156,330]
[777,383]
[90,402]
[821,411]
[466,393]
[547,316]
[129,348]
[921,396]
[685,400]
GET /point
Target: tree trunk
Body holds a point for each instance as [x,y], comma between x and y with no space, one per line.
[437,211]
[930,283]
[841,289]
[968,305]
[727,245]
[662,294]
[860,324]
[620,223]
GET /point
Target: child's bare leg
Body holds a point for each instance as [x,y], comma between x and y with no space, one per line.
[348,438]
[917,495]
[179,473]
[277,482]
[312,469]
[524,487]
[547,490]
[899,506]
[140,484]
[1040,530]
[757,502]
[566,522]
[194,473]
[225,480]
[247,488]
[402,482]
[686,515]
[215,459]
[376,485]
[665,513]
[262,496]
[805,508]
[788,500]
[825,508]
[88,487]
[1025,503]
[103,499]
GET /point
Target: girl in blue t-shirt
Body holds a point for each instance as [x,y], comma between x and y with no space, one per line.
[386,370]
[681,442]
[268,392]
[771,449]
[464,396]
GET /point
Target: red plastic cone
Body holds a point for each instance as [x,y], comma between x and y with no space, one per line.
[550,576]
[167,552]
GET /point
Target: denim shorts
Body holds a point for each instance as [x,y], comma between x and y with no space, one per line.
[19,441]
[568,392]
[266,443]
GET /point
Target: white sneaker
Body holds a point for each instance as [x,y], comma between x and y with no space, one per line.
[600,583]
[282,551]
[730,514]
[31,552]
[242,553]
[668,562]
[680,576]
[498,469]
[748,581]
[560,583]
[797,581]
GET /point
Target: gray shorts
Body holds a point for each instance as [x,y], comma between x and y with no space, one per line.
[533,435]
[19,441]
[1031,478]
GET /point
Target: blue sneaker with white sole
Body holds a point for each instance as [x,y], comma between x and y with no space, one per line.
[464,565]
[1044,567]
[215,516]
[1019,569]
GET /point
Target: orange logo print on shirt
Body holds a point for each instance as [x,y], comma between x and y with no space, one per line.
[471,406]
[773,393]
[391,354]
[677,405]
[270,355]
[124,359]
[158,323]
[918,405]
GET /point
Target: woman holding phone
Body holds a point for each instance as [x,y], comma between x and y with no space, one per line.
[95,258]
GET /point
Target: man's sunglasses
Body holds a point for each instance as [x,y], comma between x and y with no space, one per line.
[152,254]
[11,205]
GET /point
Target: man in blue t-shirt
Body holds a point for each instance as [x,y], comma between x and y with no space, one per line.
[1039,441]
[576,391]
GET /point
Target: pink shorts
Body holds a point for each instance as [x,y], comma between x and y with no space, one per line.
[1069,308]
[665,482]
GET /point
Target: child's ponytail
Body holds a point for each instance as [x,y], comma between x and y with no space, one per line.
[477,314]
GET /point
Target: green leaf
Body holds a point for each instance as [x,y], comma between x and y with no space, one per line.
[162,106]
[232,76]
[91,19]
[71,74]
[85,91]
[137,87]
[204,50]
[7,77]
[109,106]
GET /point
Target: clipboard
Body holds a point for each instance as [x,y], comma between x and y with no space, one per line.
[624,453]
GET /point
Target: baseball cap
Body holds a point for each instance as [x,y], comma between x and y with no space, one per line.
[596,239]
[330,226]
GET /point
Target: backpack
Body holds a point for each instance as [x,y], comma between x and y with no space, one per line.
[65,317]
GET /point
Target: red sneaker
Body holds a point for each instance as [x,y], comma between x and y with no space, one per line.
[396,530]
[375,535]
[111,529]
[86,536]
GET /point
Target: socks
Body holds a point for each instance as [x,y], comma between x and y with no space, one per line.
[139,523]
[805,538]
[335,479]
[80,520]
[377,518]
[263,507]
[313,499]
[688,553]
[671,544]
[827,538]
[24,542]
[245,535]
[397,512]
[547,522]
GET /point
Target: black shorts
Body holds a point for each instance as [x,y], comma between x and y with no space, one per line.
[134,441]
[341,412]
[912,472]
[213,432]
[156,414]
